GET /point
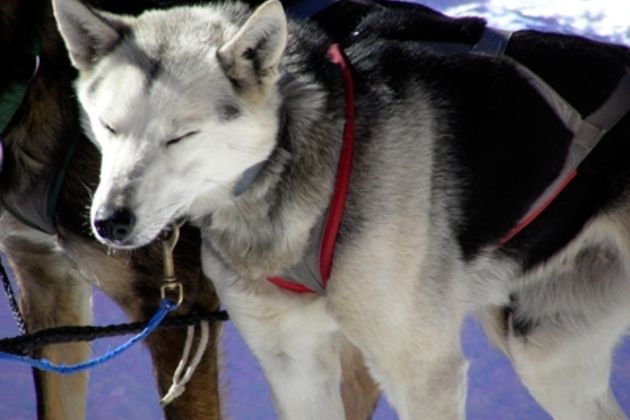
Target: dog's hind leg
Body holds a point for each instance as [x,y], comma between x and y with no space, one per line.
[568,371]
[52,294]
[563,330]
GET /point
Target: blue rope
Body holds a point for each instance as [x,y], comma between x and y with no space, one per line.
[166,306]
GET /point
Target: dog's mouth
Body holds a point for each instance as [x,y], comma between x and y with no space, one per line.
[120,229]
[127,243]
[132,242]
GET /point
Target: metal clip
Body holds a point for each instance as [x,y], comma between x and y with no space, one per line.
[171,285]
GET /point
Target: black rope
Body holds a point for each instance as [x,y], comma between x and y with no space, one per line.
[15,309]
[25,344]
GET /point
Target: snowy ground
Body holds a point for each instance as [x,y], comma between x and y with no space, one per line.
[124,388]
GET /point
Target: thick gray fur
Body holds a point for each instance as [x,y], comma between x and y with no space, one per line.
[404,275]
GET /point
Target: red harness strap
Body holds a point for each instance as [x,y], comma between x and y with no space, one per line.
[587,134]
[335,212]
[535,212]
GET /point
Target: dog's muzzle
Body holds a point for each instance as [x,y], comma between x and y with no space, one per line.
[114,225]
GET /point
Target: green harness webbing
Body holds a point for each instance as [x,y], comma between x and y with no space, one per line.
[35,206]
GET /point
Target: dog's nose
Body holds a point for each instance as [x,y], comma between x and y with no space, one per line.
[114,224]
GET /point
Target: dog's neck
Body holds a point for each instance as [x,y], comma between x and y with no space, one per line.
[297,180]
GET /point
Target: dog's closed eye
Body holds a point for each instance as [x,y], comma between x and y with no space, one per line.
[176,140]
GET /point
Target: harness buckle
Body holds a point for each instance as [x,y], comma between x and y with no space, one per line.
[171,286]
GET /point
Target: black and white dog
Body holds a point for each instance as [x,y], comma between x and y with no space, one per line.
[409,172]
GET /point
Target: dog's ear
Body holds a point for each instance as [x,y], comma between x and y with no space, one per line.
[251,57]
[87,33]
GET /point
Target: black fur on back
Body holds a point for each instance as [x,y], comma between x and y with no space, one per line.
[499,137]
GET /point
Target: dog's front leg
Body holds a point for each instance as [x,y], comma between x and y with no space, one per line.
[296,343]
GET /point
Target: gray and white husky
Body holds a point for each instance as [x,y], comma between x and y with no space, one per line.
[465,194]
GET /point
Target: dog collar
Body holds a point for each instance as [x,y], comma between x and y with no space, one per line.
[300,278]
[247,178]
[250,174]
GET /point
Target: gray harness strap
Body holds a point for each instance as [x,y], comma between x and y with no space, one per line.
[591,129]
[493,42]
[615,107]
[587,132]
[306,272]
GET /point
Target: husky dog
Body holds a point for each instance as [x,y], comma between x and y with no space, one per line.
[246,124]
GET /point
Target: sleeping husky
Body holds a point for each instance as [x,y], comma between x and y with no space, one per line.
[377,188]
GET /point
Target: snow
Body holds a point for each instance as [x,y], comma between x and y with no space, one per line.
[603,20]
